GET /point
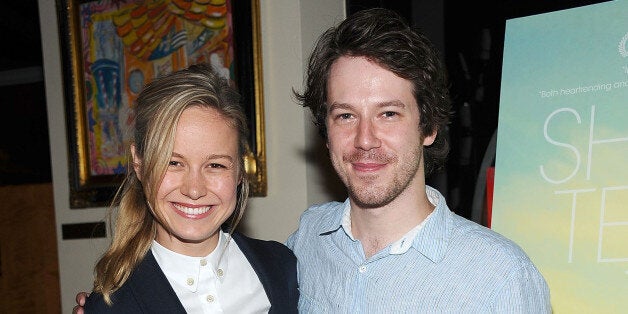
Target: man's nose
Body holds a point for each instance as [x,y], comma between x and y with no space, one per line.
[366,137]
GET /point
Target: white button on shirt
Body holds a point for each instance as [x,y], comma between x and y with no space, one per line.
[214,283]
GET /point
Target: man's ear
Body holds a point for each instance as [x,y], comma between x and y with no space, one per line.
[429,139]
[136,162]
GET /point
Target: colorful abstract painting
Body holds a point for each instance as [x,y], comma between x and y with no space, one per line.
[127,43]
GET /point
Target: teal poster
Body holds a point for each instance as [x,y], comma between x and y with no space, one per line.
[561,169]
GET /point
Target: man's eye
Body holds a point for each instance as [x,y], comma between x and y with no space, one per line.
[344,116]
[389,114]
[217,166]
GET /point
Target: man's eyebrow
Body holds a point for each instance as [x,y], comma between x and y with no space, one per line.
[391,103]
[335,106]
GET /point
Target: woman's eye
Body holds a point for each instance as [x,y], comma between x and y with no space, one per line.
[174,163]
[217,166]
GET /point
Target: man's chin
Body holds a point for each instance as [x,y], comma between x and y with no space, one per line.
[370,198]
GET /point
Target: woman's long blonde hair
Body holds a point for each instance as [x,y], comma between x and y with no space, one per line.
[157,113]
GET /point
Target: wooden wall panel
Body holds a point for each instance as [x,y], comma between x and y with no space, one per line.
[29,278]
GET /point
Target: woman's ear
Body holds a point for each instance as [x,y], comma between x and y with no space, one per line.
[136,162]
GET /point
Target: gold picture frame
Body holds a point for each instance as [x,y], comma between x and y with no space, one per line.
[109,52]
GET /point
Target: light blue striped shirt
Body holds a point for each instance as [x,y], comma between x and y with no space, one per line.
[453,266]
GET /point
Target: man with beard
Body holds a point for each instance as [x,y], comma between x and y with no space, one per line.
[378,93]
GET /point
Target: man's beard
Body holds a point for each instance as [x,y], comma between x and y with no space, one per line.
[368,194]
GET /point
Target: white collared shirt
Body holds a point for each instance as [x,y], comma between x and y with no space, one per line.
[214,283]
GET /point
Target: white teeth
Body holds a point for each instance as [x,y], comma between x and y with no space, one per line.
[192,211]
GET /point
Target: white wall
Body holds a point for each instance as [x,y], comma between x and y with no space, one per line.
[288,31]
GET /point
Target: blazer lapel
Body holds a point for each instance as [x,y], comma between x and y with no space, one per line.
[152,289]
[264,271]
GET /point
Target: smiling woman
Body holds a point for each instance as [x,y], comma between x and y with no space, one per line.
[179,205]
[198,192]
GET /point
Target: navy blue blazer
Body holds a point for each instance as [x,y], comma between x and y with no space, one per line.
[148,291]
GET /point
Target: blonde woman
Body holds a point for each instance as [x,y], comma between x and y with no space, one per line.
[175,248]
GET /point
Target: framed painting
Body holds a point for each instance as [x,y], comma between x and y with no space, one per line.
[111,48]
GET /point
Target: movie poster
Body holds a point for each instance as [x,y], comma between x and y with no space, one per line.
[561,169]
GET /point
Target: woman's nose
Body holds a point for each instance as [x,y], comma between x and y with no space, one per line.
[194,185]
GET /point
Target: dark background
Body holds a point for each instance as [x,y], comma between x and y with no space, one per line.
[24,144]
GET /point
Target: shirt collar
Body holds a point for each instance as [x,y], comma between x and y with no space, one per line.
[346,219]
[411,238]
[186,270]
[437,231]
[334,221]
